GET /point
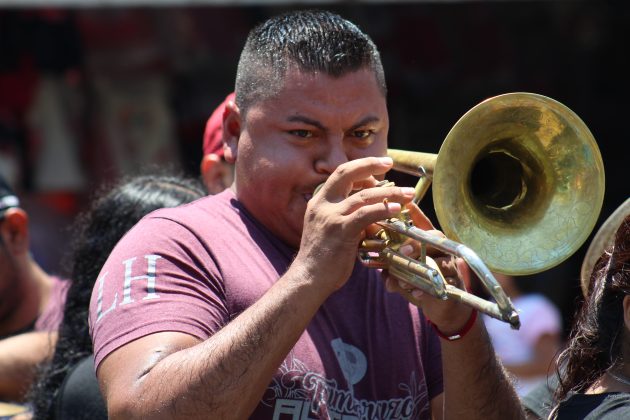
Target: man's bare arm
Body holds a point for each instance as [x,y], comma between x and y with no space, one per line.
[206,379]
[20,356]
[475,384]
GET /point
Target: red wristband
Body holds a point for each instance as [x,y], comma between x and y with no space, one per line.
[461,333]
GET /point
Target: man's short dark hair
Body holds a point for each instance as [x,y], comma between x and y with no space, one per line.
[312,41]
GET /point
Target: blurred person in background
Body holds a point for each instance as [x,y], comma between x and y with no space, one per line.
[527,353]
[595,374]
[66,388]
[591,378]
[216,172]
[31,301]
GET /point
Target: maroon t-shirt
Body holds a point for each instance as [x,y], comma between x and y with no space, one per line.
[367,353]
[51,317]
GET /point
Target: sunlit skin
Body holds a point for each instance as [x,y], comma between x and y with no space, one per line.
[315,123]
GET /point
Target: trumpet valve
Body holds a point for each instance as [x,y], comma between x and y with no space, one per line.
[372,245]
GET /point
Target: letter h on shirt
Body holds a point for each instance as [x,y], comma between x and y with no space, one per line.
[149,277]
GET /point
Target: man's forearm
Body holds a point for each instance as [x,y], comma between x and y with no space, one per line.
[475,384]
[234,365]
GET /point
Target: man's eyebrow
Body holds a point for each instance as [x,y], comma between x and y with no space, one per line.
[306,120]
[365,121]
[302,119]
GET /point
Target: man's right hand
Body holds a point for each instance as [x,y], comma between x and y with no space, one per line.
[336,219]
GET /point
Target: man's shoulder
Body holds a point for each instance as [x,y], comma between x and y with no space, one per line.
[204,213]
[191,225]
[212,205]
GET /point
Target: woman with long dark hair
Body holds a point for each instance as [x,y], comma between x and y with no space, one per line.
[112,213]
[594,368]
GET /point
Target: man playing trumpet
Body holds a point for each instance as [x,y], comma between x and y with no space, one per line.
[251,303]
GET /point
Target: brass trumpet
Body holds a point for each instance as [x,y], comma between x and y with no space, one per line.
[519,179]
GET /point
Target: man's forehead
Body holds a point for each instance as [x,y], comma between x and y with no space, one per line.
[315,95]
[322,87]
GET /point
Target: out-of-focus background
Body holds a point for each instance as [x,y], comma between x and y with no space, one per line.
[90,90]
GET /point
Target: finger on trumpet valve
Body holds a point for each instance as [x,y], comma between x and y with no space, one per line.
[385,183]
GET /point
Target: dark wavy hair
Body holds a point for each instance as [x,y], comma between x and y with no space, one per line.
[112,212]
[312,41]
[598,338]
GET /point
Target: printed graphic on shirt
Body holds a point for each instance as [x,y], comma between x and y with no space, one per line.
[352,361]
[300,394]
[148,279]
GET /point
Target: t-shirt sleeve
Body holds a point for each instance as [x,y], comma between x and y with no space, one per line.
[159,277]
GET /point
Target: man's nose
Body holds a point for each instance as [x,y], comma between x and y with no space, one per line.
[333,155]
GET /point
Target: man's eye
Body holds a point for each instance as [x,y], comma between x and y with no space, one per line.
[305,134]
[362,134]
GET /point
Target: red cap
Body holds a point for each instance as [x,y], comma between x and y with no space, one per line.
[212,137]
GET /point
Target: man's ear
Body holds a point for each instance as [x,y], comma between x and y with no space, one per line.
[231,131]
[14,231]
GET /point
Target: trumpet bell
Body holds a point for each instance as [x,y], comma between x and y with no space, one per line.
[519,179]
